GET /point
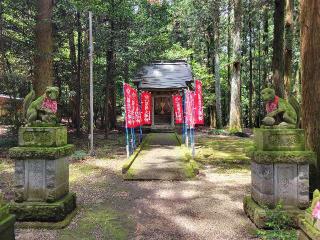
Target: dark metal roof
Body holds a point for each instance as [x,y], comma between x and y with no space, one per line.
[164,75]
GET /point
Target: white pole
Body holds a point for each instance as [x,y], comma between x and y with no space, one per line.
[91,83]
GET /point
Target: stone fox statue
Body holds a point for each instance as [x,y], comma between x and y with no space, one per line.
[43,109]
[280,112]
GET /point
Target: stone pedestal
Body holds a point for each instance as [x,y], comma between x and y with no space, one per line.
[6,222]
[42,175]
[279,172]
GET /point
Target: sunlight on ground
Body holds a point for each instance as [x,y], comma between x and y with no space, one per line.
[6,166]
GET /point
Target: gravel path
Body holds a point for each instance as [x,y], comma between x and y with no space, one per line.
[207,208]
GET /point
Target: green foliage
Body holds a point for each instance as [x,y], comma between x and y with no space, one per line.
[177,52]
[137,32]
[280,224]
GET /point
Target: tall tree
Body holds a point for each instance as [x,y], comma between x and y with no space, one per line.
[78,81]
[278,47]
[235,101]
[288,54]
[43,73]
[217,62]
[310,66]
[250,63]
[2,58]
[265,43]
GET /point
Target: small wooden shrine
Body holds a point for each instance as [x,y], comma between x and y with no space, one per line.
[164,79]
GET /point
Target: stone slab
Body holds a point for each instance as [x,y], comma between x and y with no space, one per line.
[161,159]
[44,212]
[258,214]
[43,136]
[41,152]
[41,180]
[279,139]
[285,184]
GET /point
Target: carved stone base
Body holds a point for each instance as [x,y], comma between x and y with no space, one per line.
[287,183]
[6,223]
[44,212]
[41,179]
[279,139]
[258,214]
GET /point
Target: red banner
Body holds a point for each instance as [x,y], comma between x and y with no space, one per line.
[146,105]
[190,108]
[133,114]
[198,103]
[136,107]
[177,106]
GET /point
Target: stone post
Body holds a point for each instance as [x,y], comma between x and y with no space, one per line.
[42,175]
[279,173]
[6,221]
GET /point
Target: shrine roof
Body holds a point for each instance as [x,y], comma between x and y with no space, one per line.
[164,75]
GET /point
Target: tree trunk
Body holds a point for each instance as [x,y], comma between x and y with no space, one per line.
[310,67]
[73,63]
[43,76]
[278,47]
[235,101]
[228,92]
[288,48]
[265,45]
[110,104]
[2,49]
[213,119]
[217,65]
[259,78]
[250,67]
[78,84]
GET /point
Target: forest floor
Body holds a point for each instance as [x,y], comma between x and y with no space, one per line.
[207,207]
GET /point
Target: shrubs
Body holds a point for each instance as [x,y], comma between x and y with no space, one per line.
[280,225]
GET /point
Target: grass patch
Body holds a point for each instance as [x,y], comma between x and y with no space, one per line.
[226,153]
[98,222]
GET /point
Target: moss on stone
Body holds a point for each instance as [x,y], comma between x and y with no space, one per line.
[41,152]
[133,156]
[49,225]
[43,136]
[6,221]
[7,228]
[283,157]
[309,230]
[44,212]
[279,139]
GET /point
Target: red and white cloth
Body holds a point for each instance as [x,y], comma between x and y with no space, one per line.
[272,105]
[146,105]
[178,110]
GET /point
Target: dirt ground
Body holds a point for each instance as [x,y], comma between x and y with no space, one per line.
[208,207]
